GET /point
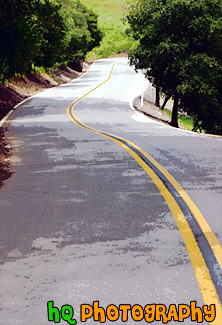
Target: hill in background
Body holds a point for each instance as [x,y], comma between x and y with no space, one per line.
[110,20]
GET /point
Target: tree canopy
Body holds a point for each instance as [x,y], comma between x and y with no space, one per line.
[82,30]
[43,32]
[19,36]
[180,46]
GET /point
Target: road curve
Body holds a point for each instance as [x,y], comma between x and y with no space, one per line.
[106,204]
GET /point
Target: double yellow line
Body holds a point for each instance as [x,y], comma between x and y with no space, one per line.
[203,276]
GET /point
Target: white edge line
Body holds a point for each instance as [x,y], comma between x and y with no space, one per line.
[6,117]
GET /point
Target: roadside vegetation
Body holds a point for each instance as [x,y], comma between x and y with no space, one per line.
[180,48]
[185,121]
[112,22]
[44,33]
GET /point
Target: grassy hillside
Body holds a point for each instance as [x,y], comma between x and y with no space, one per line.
[115,40]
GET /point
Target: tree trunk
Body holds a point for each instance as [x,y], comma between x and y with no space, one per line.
[175,111]
[23,79]
[165,101]
[157,102]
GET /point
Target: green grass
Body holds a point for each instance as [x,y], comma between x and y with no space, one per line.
[40,70]
[185,121]
[110,15]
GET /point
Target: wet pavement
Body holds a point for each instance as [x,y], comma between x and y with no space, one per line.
[81,220]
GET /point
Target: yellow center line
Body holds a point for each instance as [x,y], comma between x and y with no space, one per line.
[206,285]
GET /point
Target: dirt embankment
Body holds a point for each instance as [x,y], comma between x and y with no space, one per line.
[13,93]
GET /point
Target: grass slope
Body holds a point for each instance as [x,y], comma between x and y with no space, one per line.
[115,40]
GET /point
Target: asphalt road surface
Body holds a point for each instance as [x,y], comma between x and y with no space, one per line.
[107,205]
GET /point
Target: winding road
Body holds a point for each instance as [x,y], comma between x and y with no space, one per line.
[107,205]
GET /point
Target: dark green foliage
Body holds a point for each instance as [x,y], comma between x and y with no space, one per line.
[52,28]
[181,48]
[83,32]
[19,36]
[44,32]
[201,91]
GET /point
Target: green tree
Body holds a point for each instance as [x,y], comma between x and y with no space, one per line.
[201,92]
[53,29]
[180,45]
[69,31]
[20,37]
[44,32]
[82,30]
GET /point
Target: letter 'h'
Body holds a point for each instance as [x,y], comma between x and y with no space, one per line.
[53,313]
